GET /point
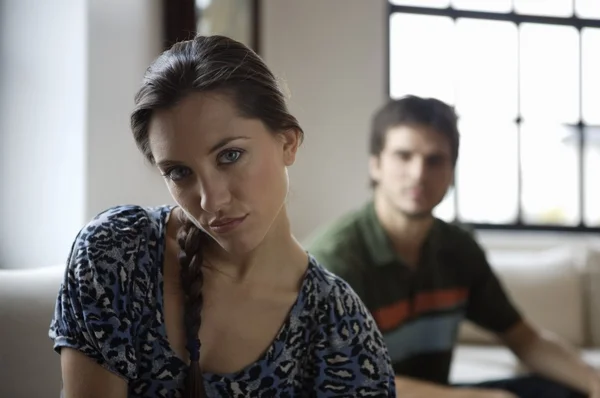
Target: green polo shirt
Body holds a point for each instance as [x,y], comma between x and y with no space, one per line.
[418,310]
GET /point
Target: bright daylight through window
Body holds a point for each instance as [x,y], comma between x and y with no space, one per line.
[525,81]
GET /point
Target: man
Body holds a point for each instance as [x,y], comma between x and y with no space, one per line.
[420,276]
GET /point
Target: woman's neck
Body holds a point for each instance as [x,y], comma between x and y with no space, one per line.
[278,255]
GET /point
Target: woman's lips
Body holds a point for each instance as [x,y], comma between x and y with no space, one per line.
[226,224]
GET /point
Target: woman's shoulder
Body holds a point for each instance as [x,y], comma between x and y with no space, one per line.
[125,221]
[119,241]
[120,225]
[335,297]
[330,285]
[106,284]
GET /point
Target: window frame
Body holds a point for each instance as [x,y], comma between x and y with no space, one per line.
[518,19]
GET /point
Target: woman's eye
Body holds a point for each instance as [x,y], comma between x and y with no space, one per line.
[229,156]
[177,173]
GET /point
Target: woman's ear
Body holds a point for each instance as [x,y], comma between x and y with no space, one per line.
[291,141]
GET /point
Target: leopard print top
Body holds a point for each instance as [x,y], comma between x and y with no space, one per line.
[110,308]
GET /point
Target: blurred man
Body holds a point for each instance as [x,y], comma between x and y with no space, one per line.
[420,276]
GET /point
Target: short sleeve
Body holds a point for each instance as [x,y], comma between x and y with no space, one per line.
[488,304]
[351,355]
[96,310]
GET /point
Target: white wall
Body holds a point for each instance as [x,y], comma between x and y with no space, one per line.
[68,72]
[330,55]
[42,123]
[124,37]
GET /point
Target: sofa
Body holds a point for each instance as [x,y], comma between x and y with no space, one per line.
[29,368]
[557,287]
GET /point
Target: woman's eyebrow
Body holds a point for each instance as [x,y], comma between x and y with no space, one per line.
[226,141]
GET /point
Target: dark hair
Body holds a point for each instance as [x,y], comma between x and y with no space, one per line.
[413,110]
[214,64]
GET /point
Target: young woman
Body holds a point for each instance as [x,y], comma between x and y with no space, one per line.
[146,288]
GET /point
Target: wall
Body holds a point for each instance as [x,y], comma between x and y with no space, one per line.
[330,54]
[69,70]
[42,122]
[124,37]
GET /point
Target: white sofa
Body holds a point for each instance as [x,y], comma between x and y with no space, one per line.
[557,288]
[29,368]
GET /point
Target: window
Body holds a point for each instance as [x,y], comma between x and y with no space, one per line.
[524,78]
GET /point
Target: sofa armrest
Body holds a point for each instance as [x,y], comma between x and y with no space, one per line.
[27,299]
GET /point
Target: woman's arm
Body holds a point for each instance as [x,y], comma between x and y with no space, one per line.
[84,378]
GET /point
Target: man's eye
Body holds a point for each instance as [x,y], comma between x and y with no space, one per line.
[177,173]
[434,160]
[229,156]
[404,156]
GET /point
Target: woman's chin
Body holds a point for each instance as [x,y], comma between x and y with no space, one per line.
[236,245]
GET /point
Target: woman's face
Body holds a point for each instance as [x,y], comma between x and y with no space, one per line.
[226,172]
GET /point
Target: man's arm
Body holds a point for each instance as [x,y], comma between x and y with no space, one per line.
[547,355]
[412,388]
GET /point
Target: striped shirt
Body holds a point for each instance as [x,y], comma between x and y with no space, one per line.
[418,309]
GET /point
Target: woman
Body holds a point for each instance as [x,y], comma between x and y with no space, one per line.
[145,288]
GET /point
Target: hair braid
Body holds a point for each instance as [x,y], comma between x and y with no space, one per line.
[190,239]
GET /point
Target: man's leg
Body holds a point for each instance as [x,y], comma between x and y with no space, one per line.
[530,387]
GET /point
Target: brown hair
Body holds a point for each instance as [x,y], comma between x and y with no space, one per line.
[413,110]
[206,64]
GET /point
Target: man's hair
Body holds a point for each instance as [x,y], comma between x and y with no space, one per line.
[414,111]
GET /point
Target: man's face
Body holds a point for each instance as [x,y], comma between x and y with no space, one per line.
[414,170]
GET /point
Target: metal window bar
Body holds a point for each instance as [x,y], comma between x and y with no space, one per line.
[581,136]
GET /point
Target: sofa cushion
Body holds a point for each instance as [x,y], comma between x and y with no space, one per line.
[592,357]
[547,287]
[27,299]
[476,364]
